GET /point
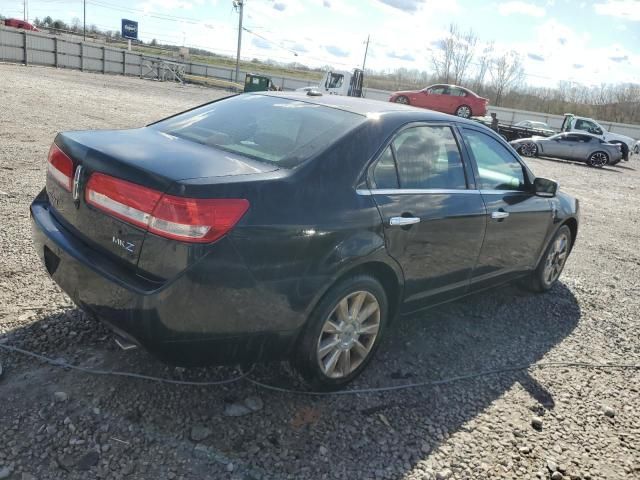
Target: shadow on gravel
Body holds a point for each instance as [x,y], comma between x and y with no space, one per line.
[582,164]
[624,167]
[377,435]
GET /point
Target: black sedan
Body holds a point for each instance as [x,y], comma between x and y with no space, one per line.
[270,226]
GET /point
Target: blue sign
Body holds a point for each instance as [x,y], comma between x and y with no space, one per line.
[129,29]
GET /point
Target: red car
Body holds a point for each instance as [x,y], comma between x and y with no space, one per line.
[16,23]
[445,98]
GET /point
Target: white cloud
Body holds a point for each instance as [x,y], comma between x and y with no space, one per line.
[521,8]
[625,9]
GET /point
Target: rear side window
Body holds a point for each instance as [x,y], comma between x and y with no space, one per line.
[270,129]
[497,168]
[426,157]
[384,173]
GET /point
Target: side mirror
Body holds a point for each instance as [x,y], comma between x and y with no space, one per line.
[543,187]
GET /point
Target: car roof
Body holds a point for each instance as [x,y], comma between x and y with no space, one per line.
[367,107]
[586,134]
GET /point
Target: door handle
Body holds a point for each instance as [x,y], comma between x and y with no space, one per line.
[402,221]
[499,215]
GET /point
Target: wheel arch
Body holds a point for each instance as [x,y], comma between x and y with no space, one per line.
[572,223]
[390,277]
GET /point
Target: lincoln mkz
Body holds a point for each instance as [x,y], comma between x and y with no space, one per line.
[285,226]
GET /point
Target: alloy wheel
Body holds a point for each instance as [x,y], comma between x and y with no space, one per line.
[598,159]
[463,111]
[403,100]
[529,149]
[348,334]
[556,258]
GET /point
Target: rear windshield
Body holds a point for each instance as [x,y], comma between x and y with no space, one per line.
[270,129]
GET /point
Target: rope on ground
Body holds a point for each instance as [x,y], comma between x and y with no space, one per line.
[257,383]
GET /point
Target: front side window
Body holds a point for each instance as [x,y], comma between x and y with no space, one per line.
[265,128]
[438,90]
[427,157]
[334,80]
[497,168]
[588,126]
[570,138]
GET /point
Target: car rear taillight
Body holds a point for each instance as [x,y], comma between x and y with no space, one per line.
[199,220]
[60,167]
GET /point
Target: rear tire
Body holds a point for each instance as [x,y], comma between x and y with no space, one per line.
[598,159]
[463,111]
[551,263]
[402,99]
[342,333]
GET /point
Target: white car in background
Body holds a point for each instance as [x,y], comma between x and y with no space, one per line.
[536,125]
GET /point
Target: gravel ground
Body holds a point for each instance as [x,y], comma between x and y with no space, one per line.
[562,423]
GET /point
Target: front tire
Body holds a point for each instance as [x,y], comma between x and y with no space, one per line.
[402,99]
[552,262]
[463,111]
[528,149]
[598,159]
[343,333]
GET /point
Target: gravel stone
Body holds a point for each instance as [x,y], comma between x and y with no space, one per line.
[5,472]
[536,423]
[444,474]
[608,411]
[60,396]
[556,476]
[88,460]
[200,432]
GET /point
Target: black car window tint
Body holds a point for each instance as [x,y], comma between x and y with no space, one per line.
[428,158]
[384,173]
[270,129]
[497,168]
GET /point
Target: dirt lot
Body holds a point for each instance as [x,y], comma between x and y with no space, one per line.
[56,423]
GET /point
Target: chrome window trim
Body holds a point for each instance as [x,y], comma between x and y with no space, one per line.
[414,191]
[501,192]
[432,191]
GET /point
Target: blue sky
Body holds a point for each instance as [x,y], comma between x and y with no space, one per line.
[588,42]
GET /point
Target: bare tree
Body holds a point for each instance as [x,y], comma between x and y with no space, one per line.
[506,72]
[443,60]
[484,61]
[463,52]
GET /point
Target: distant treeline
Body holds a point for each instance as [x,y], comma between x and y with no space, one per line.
[458,59]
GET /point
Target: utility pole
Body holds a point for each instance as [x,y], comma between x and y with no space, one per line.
[365,53]
[24,12]
[84,22]
[239,5]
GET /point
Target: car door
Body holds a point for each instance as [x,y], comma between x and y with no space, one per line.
[456,99]
[435,98]
[434,218]
[560,146]
[517,219]
[582,147]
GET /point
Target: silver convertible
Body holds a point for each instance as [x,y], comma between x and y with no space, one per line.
[582,147]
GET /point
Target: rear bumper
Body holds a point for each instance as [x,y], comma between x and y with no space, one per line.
[212,313]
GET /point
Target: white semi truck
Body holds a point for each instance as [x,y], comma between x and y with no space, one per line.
[339,82]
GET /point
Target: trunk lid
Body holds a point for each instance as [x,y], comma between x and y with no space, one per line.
[144,157]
